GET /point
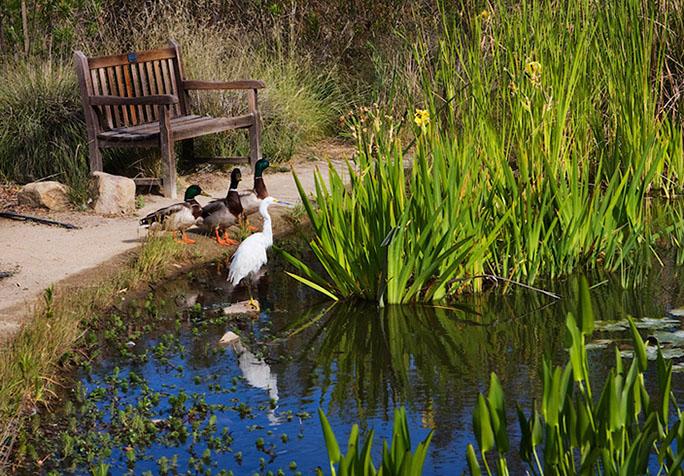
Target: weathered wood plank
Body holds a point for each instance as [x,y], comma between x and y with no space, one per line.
[152,85]
[159,81]
[141,57]
[142,71]
[153,126]
[168,85]
[255,129]
[128,88]
[185,102]
[103,121]
[166,100]
[121,88]
[174,88]
[183,128]
[219,124]
[167,152]
[107,77]
[137,92]
[104,90]
[92,126]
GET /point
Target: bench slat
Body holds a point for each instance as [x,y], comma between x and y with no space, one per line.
[116,113]
[141,57]
[137,91]
[111,113]
[142,72]
[121,88]
[130,92]
[174,86]
[183,127]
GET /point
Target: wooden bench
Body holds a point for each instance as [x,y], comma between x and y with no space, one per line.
[142,99]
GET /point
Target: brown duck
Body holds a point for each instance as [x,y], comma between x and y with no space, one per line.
[218,215]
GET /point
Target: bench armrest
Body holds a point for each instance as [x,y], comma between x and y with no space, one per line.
[154,100]
[218,85]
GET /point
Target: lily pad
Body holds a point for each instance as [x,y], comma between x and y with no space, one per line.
[611,326]
[678,312]
[659,323]
[652,353]
[675,337]
[598,344]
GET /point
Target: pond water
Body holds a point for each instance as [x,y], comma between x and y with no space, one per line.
[170,397]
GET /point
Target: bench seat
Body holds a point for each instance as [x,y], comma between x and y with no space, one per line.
[182,127]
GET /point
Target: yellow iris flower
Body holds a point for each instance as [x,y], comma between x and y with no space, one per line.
[533,70]
[421,117]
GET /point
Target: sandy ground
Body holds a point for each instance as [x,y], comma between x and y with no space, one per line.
[41,255]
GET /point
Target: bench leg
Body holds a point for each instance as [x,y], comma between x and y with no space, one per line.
[95,156]
[254,143]
[168,155]
[255,129]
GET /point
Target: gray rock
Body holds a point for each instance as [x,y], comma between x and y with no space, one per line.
[112,194]
[50,195]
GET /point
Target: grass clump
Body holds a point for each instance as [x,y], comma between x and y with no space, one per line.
[42,132]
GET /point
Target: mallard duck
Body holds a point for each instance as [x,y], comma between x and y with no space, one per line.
[218,215]
[251,199]
[179,216]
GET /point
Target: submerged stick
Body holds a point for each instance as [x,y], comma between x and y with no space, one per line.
[43,221]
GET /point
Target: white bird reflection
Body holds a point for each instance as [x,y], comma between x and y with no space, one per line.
[256,372]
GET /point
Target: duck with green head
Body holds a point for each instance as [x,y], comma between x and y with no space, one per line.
[179,216]
[251,199]
[218,215]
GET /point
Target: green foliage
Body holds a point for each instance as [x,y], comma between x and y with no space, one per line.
[617,434]
[397,458]
[533,158]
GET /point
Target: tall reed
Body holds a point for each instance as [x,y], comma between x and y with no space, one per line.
[539,144]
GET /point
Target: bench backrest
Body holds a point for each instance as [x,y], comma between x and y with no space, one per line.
[135,74]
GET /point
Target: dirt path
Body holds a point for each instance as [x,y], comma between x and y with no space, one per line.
[40,255]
